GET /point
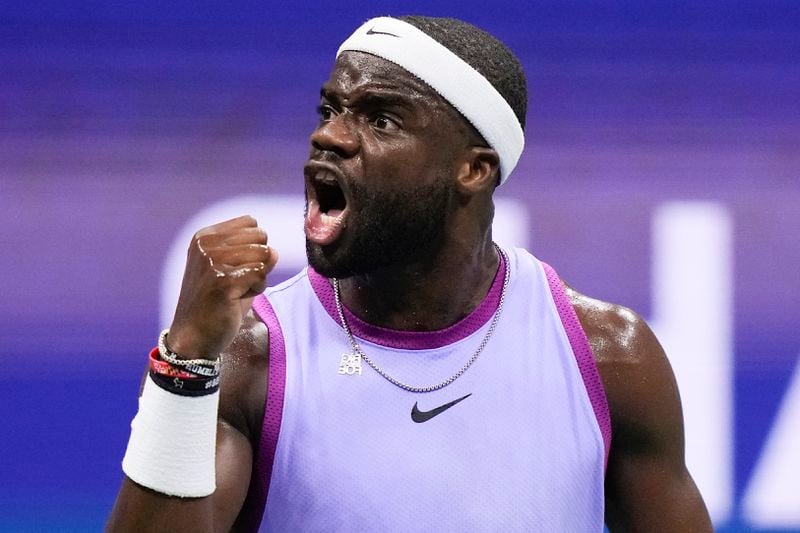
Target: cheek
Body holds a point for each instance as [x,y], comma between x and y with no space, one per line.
[397,165]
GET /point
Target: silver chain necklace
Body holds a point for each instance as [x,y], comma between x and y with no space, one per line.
[350,363]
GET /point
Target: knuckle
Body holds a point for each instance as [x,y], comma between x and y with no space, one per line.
[207,230]
[261,235]
[200,240]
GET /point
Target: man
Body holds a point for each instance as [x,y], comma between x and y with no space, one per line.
[416,376]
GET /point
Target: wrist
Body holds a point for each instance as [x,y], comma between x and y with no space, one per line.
[172,444]
[185,343]
[198,366]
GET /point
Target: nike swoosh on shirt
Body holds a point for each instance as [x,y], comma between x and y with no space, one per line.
[423,416]
[372,31]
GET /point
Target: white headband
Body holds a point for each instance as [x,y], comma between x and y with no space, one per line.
[449,75]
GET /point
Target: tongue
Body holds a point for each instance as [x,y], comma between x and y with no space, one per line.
[323,228]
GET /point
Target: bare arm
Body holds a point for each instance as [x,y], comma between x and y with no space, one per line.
[648,487]
[243,390]
[141,510]
[226,267]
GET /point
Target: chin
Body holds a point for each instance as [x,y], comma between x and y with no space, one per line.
[324,260]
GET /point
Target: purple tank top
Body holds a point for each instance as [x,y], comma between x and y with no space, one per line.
[518,443]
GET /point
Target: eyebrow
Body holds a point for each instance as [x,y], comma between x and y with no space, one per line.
[373,98]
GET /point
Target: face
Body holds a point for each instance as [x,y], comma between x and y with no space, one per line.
[379,180]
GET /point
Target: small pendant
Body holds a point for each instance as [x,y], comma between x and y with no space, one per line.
[350,364]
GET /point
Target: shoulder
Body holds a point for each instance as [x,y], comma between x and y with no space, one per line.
[647,444]
[243,388]
[617,334]
[637,377]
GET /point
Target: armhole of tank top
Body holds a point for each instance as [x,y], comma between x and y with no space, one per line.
[264,456]
[583,356]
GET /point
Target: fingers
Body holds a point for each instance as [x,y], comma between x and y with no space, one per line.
[233,242]
[246,281]
[244,221]
[249,235]
[236,254]
[273,259]
[209,238]
[241,255]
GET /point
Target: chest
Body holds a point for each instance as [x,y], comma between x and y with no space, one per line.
[510,445]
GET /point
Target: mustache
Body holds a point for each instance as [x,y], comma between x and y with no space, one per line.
[324,156]
[335,160]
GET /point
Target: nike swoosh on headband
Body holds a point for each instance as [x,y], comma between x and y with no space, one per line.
[372,31]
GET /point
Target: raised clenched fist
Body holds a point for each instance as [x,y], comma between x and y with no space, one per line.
[226,267]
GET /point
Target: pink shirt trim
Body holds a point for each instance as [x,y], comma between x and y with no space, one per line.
[264,456]
[412,340]
[583,355]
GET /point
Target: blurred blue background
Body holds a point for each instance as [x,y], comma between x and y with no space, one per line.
[661,170]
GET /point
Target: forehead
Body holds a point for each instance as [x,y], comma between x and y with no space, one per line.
[357,72]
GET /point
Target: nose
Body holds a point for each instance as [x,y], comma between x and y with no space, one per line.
[335,135]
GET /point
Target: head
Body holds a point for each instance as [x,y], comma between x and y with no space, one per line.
[396,169]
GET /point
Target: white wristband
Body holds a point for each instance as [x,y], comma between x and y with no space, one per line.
[173,442]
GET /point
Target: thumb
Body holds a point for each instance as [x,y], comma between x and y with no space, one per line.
[245,304]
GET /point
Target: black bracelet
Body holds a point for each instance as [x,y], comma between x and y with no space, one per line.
[205,371]
[186,387]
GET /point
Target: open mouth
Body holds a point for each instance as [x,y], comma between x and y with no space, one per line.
[327,208]
[329,194]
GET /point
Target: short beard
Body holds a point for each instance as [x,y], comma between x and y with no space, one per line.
[391,229]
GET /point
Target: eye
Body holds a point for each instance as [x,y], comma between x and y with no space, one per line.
[383,122]
[325,112]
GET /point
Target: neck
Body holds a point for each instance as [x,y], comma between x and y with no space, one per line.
[427,295]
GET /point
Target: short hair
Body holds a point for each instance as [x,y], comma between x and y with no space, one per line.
[483,52]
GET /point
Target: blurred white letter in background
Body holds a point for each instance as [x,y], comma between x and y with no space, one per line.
[692,291]
[772,499]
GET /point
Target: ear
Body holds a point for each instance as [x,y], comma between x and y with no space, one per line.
[478,171]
